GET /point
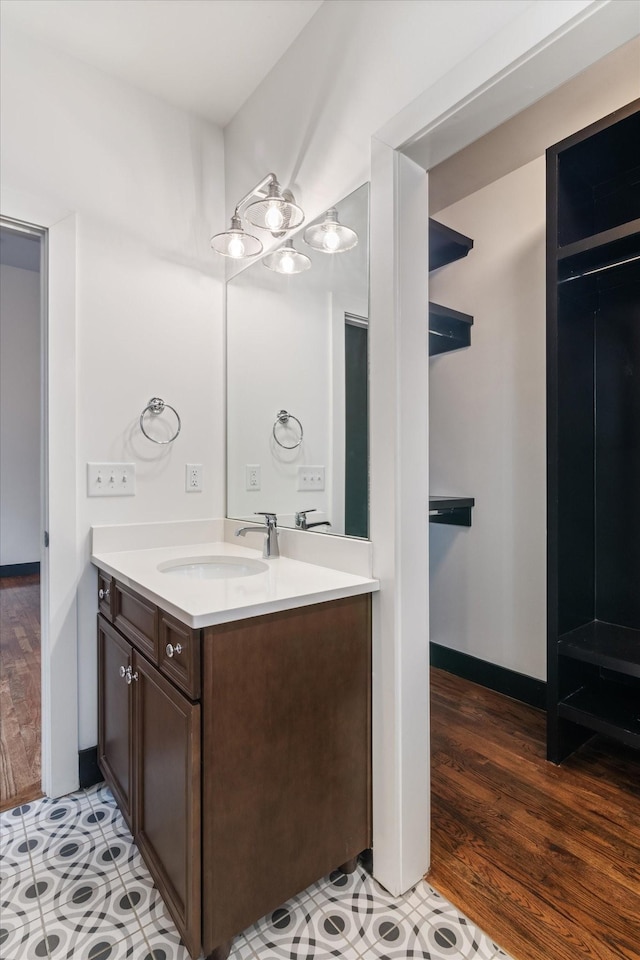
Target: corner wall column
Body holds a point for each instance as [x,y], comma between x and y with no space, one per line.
[399,517]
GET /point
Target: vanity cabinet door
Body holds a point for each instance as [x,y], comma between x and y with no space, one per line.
[167,796]
[115,715]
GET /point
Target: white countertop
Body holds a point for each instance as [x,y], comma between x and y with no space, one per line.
[285,583]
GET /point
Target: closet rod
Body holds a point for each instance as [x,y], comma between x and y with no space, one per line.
[607,266]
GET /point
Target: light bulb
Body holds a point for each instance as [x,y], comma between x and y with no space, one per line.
[331,240]
[273,218]
[287,263]
[236,247]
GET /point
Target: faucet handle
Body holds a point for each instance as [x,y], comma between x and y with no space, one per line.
[270,519]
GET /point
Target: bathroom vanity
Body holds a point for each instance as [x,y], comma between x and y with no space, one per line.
[237,740]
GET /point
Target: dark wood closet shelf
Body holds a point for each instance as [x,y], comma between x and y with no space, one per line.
[605,708]
[455,511]
[604,644]
[446,245]
[601,250]
[448,329]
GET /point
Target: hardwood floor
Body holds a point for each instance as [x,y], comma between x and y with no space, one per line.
[545,859]
[20,713]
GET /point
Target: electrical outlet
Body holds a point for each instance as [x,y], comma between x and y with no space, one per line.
[111,479]
[193,479]
[310,478]
[252,476]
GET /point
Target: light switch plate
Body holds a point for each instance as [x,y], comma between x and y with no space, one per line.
[311,478]
[111,479]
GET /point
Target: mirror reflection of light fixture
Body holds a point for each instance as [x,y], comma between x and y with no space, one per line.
[274,210]
[286,259]
[330,236]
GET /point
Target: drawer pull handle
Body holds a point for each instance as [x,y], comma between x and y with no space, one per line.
[171,650]
[104,594]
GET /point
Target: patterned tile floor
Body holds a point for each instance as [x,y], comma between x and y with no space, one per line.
[73,885]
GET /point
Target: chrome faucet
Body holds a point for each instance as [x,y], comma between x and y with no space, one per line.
[270,549]
[301,520]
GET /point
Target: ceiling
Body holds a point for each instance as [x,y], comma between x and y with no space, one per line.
[206,56]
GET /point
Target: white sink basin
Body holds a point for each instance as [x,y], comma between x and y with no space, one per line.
[213,568]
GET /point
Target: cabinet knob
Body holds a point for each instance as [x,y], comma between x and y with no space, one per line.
[123,671]
[104,594]
[130,676]
[171,650]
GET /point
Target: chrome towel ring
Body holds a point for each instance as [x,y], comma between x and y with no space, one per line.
[155,407]
[282,419]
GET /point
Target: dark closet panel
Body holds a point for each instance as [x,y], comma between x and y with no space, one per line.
[618,455]
[576,500]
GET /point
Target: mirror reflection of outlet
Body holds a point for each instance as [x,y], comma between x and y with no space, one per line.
[310,478]
[252,476]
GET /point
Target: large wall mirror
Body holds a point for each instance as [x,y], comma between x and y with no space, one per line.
[297,385]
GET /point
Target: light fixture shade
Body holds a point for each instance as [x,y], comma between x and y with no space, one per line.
[235,243]
[276,212]
[287,260]
[330,236]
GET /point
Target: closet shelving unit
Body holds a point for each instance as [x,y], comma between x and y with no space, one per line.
[593,430]
[448,330]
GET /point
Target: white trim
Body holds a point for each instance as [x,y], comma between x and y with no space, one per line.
[59,564]
[399,516]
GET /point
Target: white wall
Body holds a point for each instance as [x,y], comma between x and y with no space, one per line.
[487,430]
[19,415]
[146,182]
[352,68]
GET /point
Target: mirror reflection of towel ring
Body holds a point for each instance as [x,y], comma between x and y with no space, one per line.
[155,407]
[282,419]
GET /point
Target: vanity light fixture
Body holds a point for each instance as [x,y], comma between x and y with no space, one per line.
[286,259]
[330,236]
[235,242]
[274,210]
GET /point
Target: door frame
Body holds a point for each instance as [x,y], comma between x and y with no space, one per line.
[59,566]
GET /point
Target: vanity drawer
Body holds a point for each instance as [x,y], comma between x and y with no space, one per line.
[105,585]
[136,619]
[179,654]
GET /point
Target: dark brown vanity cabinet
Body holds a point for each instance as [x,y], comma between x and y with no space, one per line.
[149,753]
[593,411]
[247,782]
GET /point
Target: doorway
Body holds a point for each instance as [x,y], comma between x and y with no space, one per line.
[22,254]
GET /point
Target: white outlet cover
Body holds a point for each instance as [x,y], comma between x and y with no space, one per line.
[252,476]
[193,477]
[111,479]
